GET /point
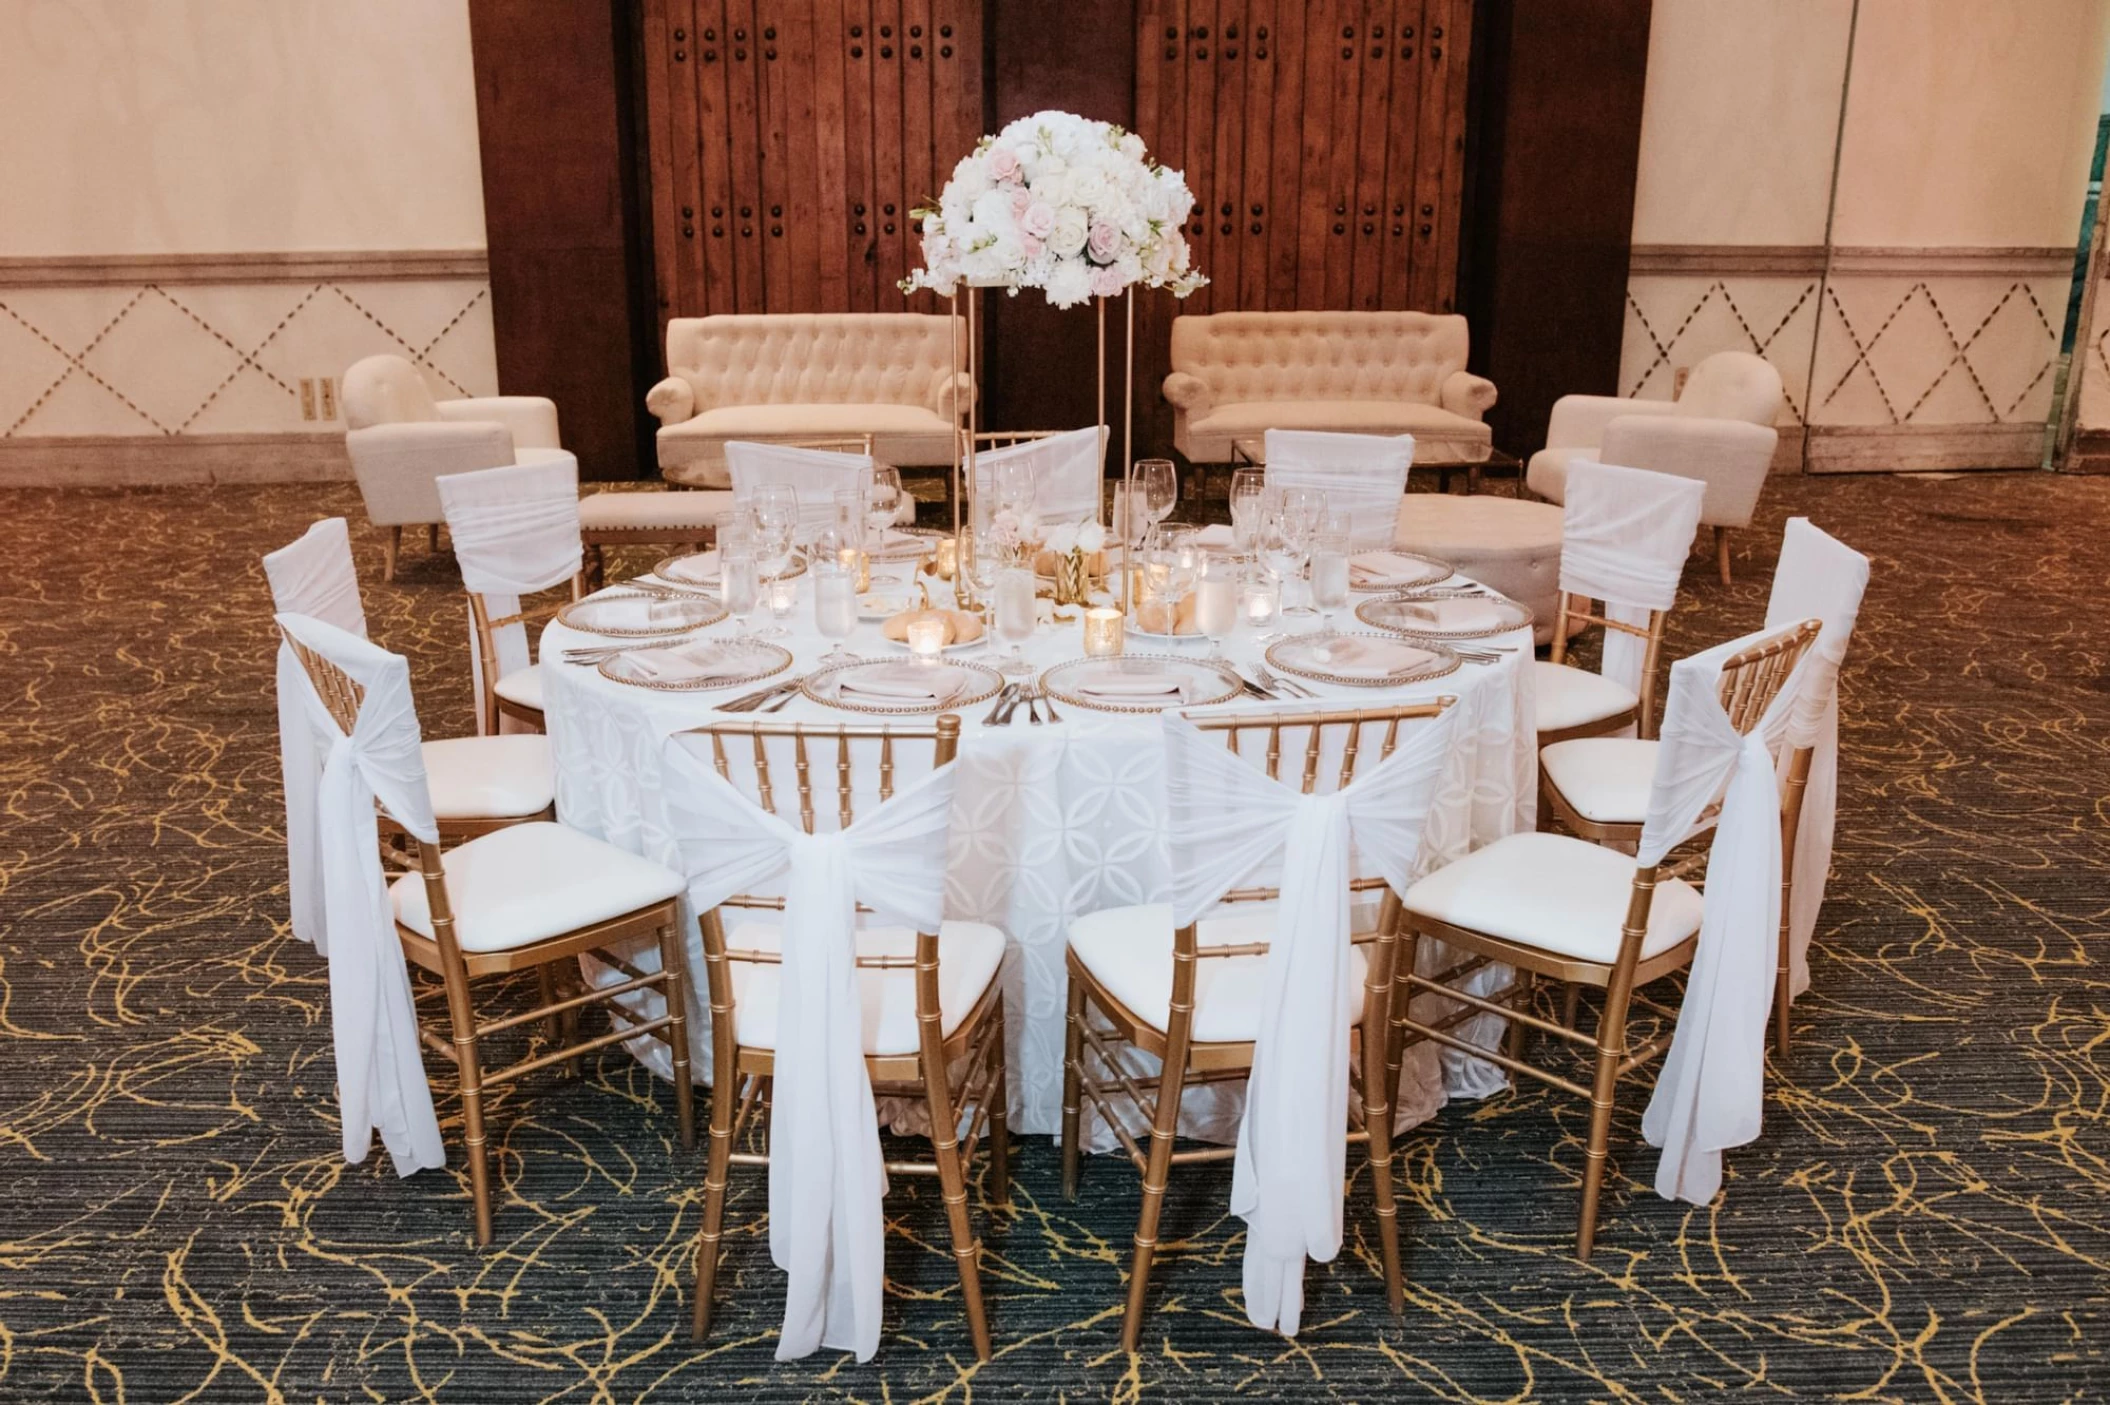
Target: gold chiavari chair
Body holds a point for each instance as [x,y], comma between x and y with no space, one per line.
[1573,613]
[1550,906]
[527,897]
[1197,1040]
[517,695]
[951,1058]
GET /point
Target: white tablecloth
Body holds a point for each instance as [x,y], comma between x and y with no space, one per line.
[1050,822]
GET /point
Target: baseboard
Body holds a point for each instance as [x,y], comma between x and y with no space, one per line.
[2089,452]
[1909,448]
[142,460]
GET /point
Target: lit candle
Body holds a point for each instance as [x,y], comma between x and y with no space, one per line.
[1102,631]
[926,638]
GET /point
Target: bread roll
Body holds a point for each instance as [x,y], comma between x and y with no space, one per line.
[961,627]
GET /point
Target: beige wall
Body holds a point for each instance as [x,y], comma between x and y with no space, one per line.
[1924,333]
[162,160]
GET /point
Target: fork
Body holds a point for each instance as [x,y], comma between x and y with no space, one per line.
[1267,679]
[596,653]
[1032,696]
[996,708]
[1041,690]
[748,702]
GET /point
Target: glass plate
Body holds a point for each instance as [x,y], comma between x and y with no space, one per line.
[635,614]
[1444,616]
[1403,574]
[1328,658]
[827,686]
[742,661]
[701,568]
[1206,682]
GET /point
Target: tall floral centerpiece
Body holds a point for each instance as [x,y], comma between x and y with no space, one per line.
[1068,205]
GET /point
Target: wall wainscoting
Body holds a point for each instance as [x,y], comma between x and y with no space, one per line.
[1892,358]
[189,368]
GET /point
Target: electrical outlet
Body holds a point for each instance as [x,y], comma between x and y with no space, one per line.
[1677,381]
[307,398]
[329,397]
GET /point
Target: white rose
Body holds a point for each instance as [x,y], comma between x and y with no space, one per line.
[1091,537]
[1071,230]
[1070,283]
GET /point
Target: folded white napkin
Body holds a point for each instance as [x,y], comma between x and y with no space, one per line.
[1461,616]
[1361,656]
[617,609]
[1382,568]
[1216,535]
[907,682]
[706,658]
[1113,683]
[700,569]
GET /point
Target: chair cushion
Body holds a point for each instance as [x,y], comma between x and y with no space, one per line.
[1606,779]
[1573,697]
[1547,474]
[1556,893]
[1129,951]
[969,954]
[522,686]
[480,778]
[1439,434]
[646,511]
[903,435]
[529,882]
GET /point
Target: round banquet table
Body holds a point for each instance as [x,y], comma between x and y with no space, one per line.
[1049,823]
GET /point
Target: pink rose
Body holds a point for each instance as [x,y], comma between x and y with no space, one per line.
[1003,164]
[1031,245]
[1106,282]
[1038,221]
[1020,199]
[1105,241]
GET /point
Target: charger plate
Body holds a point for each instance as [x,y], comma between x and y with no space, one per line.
[1444,616]
[701,568]
[1307,656]
[825,686]
[626,614]
[1431,572]
[1207,682]
[758,659]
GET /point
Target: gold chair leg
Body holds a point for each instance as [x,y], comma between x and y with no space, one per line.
[1072,1052]
[672,962]
[1721,551]
[1173,1079]
[952,1180]
[390,550]
[1611,1048]
[1571,1003]
[1401,1006]
[999,1114]
[725,1097]
[471,1066]
[432,538]
[1377,1119]
[552,1023]
[1516,1039]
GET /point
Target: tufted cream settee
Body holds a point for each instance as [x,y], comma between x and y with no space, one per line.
[1236,375]
[808,376]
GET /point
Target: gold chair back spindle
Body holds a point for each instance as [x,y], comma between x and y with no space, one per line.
[486,627]
[1571,615]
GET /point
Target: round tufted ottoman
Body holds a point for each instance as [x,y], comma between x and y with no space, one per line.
[1512,545]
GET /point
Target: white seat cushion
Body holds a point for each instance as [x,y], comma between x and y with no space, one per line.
[1548,473]
[969,954]
[529,882]
[1606,779]
[523,686]
[478,778]
[1128,950]
[1439,434]
[646,511]
[1573,697]
[1555,893]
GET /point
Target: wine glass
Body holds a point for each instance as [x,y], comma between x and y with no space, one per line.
[1158,488]
[1329,573]
[1217,596]
[774,518]
[1247,485]
[1017,610]
[882,499]
[1302,511]
[738,583]
[1282,556]
[834,605]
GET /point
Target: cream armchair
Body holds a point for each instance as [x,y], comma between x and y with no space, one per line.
[806,376]
[401,441]
[1720,431]
[1237,375]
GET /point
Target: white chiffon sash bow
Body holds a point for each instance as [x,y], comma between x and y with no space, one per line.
[337,778]
[1711,1092]
[1364,476]
[827,1181]
[1226,819]
[1625,533]
[311,576]
[1067,471]
[1820,578]
[516,531]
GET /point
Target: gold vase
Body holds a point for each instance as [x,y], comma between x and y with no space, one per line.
[1073,579]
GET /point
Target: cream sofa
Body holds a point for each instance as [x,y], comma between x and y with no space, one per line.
[808,376]
[1236,375]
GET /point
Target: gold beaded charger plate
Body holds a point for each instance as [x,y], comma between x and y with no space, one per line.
[701,568]
[1393,570]
[897,687]
[906,543]
[1444,616]
[1361,660]
[698,665]
[1141,683]
[636,614]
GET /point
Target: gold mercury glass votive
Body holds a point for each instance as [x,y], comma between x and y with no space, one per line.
[926,638]
[946,560]
[1102,632]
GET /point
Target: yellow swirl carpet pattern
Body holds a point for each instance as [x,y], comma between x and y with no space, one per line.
[1926,1217]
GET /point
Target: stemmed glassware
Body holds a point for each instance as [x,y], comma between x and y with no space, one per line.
[1157,488]
[773,514]
[834,590]
[1300,513]
[1017,611]
[1329,572]
[882,501]
[1247,485]
[738,586]
[1217,596]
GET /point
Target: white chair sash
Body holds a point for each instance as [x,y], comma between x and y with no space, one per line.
[827,1180]
[817,475]
[338,778]
[1225,818]
[1625,533]
[1362,475]
[1711,1092]
[311,576]
[516,531]
[1068,470]
[1820,578]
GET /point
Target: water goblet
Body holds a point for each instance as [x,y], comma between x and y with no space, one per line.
[1017,613]
[1216,601]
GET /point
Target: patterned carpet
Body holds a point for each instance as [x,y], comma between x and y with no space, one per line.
[1927,1216]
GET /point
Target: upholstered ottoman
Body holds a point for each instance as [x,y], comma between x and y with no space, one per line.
[1512,545]
[648,518]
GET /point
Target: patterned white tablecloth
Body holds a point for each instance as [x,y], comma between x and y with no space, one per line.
[1050,822]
